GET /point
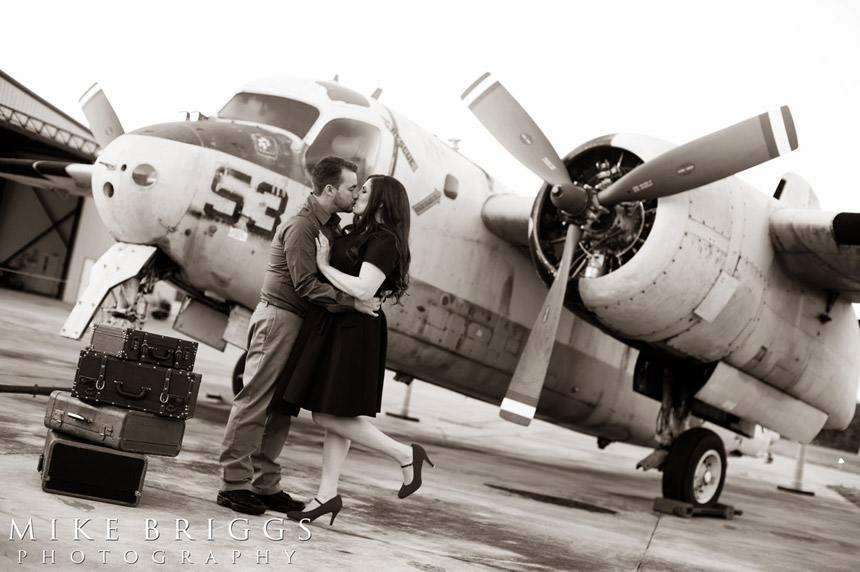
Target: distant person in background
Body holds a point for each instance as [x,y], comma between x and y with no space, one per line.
[254,437]
[337,365]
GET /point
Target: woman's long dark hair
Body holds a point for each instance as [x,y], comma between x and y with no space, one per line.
[388,197]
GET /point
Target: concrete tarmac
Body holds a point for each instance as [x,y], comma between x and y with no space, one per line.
[502,497]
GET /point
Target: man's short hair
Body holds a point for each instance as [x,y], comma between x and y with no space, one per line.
[329,171]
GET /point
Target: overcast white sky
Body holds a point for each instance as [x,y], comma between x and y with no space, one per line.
[677,70]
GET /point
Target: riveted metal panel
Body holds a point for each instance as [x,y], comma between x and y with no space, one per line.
[712,210]
[717,299]
[662,307]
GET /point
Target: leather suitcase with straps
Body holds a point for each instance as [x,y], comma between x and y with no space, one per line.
[103,378]
[144,347]
[115,427]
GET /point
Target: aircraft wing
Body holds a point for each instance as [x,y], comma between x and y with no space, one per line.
[819,248]
[73,178]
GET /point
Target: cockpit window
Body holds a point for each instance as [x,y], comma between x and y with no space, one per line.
[353,140]
[294,116]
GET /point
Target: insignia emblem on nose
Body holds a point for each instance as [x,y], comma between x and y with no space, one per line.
[265,145]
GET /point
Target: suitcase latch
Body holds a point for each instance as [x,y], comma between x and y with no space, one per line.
[89,385]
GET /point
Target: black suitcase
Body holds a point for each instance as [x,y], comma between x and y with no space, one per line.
[164,391]
[144,347]
[75,468]
[114,427]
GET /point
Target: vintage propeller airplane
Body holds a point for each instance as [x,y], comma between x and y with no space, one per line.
[679,294]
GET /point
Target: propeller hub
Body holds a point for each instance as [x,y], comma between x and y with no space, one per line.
[570,198]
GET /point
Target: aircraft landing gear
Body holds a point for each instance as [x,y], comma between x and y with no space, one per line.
[693,460]
[239,373]
[126,304]
[695,469]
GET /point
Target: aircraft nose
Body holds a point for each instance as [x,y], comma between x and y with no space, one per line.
[137,187]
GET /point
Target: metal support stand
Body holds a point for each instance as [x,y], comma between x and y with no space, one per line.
[797,485]
[404,411]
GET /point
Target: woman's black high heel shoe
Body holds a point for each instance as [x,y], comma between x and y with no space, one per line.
[419,455]
[333,506]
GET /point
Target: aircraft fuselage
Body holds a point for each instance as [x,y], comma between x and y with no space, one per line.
[223,187]
[704,286]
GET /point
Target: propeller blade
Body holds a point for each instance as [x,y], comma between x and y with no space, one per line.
[103,120]
[520,402]
[708,159]
[508,122]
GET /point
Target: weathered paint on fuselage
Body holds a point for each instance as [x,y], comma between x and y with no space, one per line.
[473,296]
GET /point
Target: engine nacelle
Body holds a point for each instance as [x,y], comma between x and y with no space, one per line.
[694,275]
[614,239]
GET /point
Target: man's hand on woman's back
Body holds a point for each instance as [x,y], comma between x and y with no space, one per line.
[368,306]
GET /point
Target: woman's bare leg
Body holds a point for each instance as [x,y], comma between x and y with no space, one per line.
[361,430]
[335,449]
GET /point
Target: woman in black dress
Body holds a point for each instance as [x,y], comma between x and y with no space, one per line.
[337,365]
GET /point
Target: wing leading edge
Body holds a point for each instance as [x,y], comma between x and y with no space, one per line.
[73,178]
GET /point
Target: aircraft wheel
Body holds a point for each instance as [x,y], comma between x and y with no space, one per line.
[239,373]
[695,468]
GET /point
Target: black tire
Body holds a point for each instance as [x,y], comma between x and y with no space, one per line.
[239,373]
[689,473]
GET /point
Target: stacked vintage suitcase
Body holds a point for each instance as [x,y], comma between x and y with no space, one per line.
[132,393]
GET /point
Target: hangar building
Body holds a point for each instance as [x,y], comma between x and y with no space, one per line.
[48,239]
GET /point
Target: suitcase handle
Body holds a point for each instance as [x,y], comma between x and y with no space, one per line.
[121,391]
[78,417]
[153,351]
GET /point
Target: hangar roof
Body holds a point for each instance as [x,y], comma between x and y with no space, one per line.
[26,113]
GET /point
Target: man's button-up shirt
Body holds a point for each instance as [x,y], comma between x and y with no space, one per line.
[291,280]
